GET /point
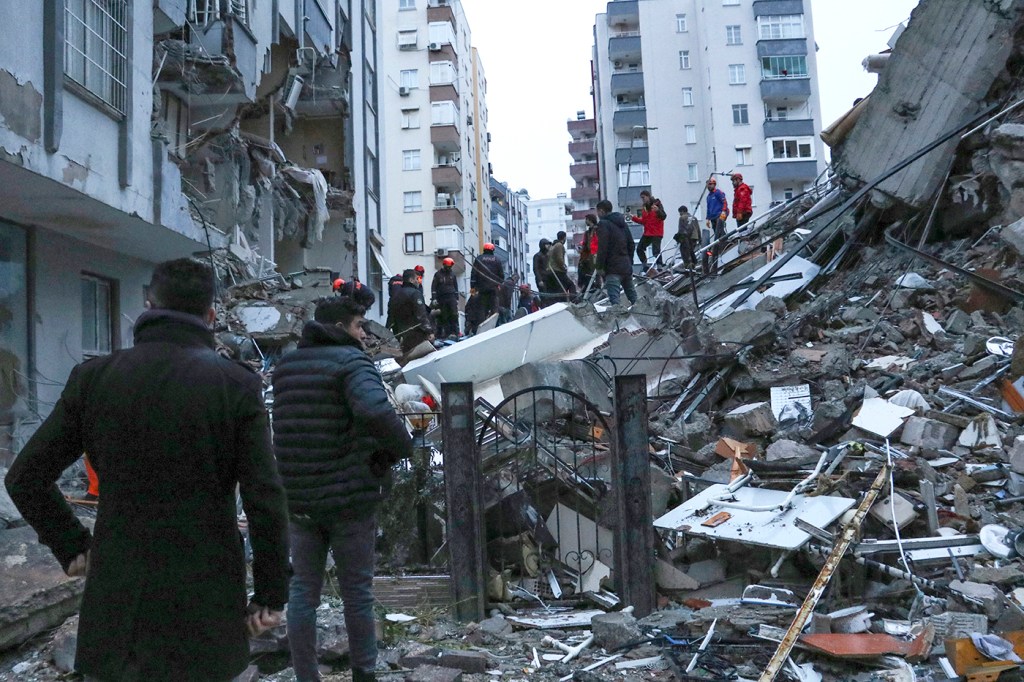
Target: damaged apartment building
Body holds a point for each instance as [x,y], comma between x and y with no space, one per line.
[131,133]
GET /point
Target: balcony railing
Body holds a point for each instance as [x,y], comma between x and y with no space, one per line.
[786,88]
[625,118]
[786,170]
[789,128]
[580,171]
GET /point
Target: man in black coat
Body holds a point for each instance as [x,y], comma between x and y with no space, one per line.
[488,274]
[171,428]
[444,289]
[540,271]
[336,436]
[409,318]
[614,253]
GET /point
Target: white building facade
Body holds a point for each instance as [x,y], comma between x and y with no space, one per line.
[435,141]
[548,217]
[686,89]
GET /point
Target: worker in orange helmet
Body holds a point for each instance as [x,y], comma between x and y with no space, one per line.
[420,271]
[444,290]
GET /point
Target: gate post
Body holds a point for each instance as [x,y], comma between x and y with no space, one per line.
[463,487]
[631,483]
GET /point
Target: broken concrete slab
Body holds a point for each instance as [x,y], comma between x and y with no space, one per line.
[434,673]
[789,449]
[981,433]
[1017,455]
[928,434]
[670,578]
[989,597]
[742,327]
[755,419]
[65,644]
[1013,234]
[614,630]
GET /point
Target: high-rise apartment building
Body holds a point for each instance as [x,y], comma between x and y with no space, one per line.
[434,132]
[548,217]
[584,170]
[509,226]
[688,88]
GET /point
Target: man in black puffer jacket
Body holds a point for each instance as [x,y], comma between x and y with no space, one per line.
[336,436]
[410,320]
[614,253]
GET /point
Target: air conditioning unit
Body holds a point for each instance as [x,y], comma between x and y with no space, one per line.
[404,91]
[434,47]
[441,253]
[617,64]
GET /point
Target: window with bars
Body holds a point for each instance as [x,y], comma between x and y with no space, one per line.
[733,35]
[204,12]
[784,67]
[97,315]
[95,48]
[780,27]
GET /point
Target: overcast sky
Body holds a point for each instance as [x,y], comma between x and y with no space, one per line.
[536,54]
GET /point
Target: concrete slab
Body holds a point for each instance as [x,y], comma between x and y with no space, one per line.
[796,266]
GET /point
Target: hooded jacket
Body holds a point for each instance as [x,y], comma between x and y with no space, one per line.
[615,245]
[488,272]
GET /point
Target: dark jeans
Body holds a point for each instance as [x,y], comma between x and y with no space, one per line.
[613,283]
[560,286]
[488,301]
[686,249]
[711,253]
[641,249]
[448,319]
[351,543]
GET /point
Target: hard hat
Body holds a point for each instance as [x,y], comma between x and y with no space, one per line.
[420,269]
[448,261]
[525,288]
[337,284]
[488,247]
[737,176]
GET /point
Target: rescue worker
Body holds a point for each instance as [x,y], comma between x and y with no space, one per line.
[488,274]
[716,214]
[409,317]
[559,284]
[652,217]
[742,208]
[540,271]
[444,290]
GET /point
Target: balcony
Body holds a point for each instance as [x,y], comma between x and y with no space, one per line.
[786,47]
[318,27]
[585,193]
[578,128]
[623,13]
[776,7]
[446,177]
[628,83]
[625,118]
[789,128]
[624,47]
[168,15]
[445,138]
[448,215]
[440,12]
[443,52]
[638,154]
[231,38]
[785,89]
[789,171]
[629,197]
[582,171]
[444,93]
[581,148]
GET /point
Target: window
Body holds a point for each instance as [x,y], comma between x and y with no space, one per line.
[733,35]
[691,173]
[691,134]
[687,97]
[442,73]
[634,174]
[777,113]
[411,159]
[737,74]
[414,242]
[684,59]
[174,122]
[97,315]
[788,193]
[406,4]
[407,39]
[442,33]
[409,78]
[443,113]
[410,118]
[95,46]
[538,212]
[780,27]
[740,116]
[680,23]
[790,149]
[743,156]
[412,202]
[783,67]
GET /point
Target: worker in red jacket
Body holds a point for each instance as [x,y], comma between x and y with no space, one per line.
[652,217]
[742,208]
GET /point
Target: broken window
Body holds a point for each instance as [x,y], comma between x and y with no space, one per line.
[782,149]
[95,45]
[779,27]
[740,115]
[733,35]
[97,315]
[737,74]
[13,319]
[784,67]
[412,202]
[414,242]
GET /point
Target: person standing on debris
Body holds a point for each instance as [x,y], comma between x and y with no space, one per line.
[394,285]
[506,295]
[444,289]
[652,217]
[715,217]
[527,299]
[614,253]
[588,253]
[687,236]
[409,317]
[540,271]
[336,438]
[357,291]
[559,284]
[474,312]
[171,428]
[488,274]
[742,206]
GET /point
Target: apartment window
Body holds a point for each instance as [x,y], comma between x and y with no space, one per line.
[789,149]
[691,173]
[95,46]
[372,173]
[406,4]
[680,23]
[691,134]
[409,78]
[788,193]
[687,97]
[412,202]
[441,32]
[733,35]
[634,174]
[737,74]
[414,242]
[777,113]
[407,39]
[783,67]
[411,159]
[538,212]
[684,59]
[174,122]
[744,157]
[442,73]
[97,315]
[780,27]
[410,118]
[740,116]
[443,113]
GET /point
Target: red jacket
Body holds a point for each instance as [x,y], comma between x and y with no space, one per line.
[741,205]
[653,225]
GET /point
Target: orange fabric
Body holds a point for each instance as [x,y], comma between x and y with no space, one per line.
[94,480]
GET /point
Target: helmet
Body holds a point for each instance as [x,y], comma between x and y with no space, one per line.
[737,176]
[488,247]
[420,269]
[448,262]
[525,288]
[338,284]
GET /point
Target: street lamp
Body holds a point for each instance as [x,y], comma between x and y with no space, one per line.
[629,162]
